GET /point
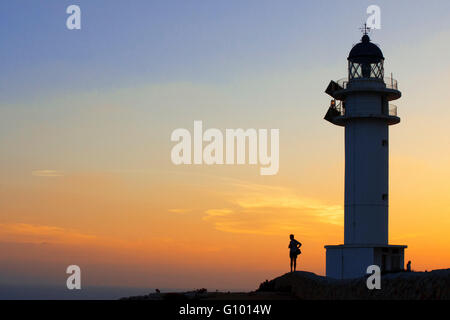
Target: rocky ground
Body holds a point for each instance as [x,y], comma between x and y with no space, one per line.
[394,286]
[434,285]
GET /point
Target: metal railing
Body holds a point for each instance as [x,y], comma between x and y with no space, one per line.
[393,110]
[390,83]
[342,83]
[340,110]
[338,107]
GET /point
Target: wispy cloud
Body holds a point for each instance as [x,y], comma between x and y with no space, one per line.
[260,209]
[179,210]
[218,212]
[47,173]
[136,248]
[29,233]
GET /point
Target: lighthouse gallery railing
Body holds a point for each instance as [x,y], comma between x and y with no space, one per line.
[391,83]
[339,107]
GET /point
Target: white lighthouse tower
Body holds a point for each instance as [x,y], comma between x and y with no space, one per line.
[361,105]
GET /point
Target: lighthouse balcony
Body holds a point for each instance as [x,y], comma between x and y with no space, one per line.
[386,86]
[386,82]
[338,115]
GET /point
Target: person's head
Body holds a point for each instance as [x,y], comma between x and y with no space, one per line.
[291,237]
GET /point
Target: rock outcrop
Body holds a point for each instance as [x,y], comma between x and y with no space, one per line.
[434,285]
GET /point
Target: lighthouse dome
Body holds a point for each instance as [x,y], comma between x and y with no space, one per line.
[365,61]
[365,52]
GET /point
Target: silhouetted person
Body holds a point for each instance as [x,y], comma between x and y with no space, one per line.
[294,251]
[408,266]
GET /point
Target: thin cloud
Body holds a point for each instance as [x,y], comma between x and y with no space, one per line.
[28,233]
[259,209]
[179,210]
[47,173]
[218,212]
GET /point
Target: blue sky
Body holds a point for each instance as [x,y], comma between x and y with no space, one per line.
[171,61]
[124,43]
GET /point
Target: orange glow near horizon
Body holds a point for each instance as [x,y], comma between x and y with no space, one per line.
[216,233]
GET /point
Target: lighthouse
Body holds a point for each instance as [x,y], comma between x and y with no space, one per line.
[361,104]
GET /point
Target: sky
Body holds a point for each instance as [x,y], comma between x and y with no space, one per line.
[86,118]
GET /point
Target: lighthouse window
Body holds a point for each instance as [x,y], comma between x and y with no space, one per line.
[384,196]
[366,70]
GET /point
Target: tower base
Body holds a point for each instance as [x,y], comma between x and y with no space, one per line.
[351,261]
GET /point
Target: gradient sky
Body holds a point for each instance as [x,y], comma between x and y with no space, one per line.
[86,118]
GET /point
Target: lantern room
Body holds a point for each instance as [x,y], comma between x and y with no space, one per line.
[365,61]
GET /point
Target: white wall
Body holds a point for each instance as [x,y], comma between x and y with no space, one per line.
[366,180]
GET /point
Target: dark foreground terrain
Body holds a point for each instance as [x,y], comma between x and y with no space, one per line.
[434,285]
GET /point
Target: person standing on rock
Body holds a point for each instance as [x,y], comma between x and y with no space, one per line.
[294,251]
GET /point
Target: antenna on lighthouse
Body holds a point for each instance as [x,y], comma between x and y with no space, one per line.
[365,29]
